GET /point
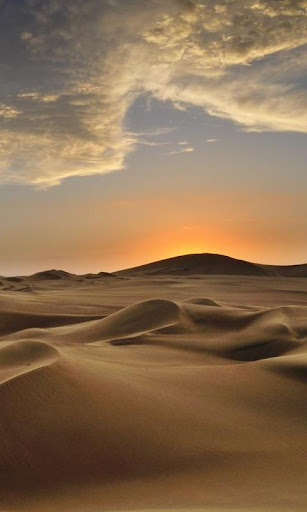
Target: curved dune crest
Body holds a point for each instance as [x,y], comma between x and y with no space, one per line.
[131,321]
[293,366]
[139,318]
[25,356]
[202,301]
[237,334]
[15,321]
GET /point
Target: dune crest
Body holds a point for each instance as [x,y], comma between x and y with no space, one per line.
[213,264]
[23,357]
[234,333]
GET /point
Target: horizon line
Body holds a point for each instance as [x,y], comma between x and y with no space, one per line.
[157,261]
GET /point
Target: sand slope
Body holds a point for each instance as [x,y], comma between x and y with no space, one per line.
[190,403]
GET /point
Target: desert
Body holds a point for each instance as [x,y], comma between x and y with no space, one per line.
[153,256]
[142,391]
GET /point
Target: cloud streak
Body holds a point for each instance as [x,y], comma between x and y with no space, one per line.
[187,149]
[75,68]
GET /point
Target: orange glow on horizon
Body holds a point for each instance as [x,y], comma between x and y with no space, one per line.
[183,241]
[140,232]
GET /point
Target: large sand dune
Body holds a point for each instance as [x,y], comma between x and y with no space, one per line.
[154,393]
[214,264]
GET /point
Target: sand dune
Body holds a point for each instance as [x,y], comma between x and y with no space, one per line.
[187,265]
[180,401]
[14,321]
[203,301]
[221,330]
[53,278]
[24,356]
[50,275]
[55,275]
[214,264]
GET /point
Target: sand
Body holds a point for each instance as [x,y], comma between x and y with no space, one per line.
[153,393]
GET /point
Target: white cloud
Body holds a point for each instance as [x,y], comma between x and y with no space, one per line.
[211,141]
[90,60]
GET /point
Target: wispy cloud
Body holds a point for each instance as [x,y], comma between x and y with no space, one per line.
[79,66]
[37,96]
[211,141]
[188,149]
[7,112]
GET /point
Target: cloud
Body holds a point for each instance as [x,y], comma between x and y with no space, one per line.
[187,149]
[37,96]
[8,112]
[211,141]
[76,67]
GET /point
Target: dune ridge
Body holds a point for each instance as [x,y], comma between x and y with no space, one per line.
[23,357]
[213,264]
[218,329]
[186,265]
[14,321]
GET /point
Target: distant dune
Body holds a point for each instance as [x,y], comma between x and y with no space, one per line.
[51,275]
[52,278]
[187,265]
[214,264]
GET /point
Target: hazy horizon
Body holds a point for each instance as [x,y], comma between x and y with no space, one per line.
[85,271]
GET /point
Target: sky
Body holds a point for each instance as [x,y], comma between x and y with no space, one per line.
[135,130]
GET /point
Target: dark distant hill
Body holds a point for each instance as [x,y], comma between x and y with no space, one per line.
[213,264]
[53,275]
[58,275]
[287,270]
